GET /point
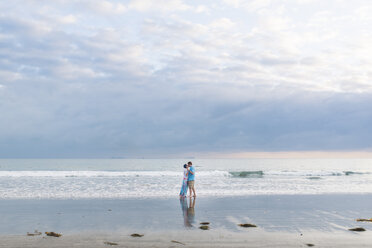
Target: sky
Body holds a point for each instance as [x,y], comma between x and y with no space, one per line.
[168,78]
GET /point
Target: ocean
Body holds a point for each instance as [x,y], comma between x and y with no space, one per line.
[154,178]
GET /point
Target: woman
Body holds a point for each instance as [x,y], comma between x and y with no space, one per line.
[183,192]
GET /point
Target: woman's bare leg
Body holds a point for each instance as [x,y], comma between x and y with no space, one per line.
[193,189]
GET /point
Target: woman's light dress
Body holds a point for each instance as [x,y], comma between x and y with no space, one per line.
[183,192]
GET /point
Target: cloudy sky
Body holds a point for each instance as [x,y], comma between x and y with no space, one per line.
[96,78]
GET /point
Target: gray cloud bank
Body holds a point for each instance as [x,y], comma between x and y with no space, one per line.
[79,80]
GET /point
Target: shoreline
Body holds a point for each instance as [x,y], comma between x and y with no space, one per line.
[281,220]
[196,238]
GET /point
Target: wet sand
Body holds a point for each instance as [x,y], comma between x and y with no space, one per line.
[281,220]
[215,238]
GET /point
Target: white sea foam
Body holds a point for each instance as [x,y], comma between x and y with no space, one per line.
[127,178]
[129,184]
[57,174]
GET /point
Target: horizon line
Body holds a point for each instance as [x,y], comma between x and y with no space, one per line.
[362,154]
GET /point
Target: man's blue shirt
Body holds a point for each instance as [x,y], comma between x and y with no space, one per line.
[191,177]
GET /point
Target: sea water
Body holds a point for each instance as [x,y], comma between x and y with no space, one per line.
[149,178]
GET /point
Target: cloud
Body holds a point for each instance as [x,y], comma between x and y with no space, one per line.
[202,9]
[138,79]
[9,76]
[223,23]
[109,7]
[160,5]
[68,19]
[250,6]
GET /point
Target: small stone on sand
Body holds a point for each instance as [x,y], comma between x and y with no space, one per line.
[310,245]
[204,227]
[247,225]
[357,229]
[136,235]
[204,223]
[368,220]
[110,243]
[53,234]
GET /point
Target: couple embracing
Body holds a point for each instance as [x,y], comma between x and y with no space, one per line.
[188,180]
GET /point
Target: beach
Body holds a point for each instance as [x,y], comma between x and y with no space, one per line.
[175,123]
[281,220]
[103,202]
[212,239]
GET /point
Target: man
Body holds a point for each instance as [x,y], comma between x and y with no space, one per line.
[191,178]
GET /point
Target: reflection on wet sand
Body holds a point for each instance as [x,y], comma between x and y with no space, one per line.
[188,211]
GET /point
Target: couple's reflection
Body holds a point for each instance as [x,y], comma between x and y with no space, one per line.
[188,211]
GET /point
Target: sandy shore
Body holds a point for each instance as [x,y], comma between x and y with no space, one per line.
[215,238]
[282,221]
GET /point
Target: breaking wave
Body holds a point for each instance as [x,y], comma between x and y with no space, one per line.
[203,174]
[253,174]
